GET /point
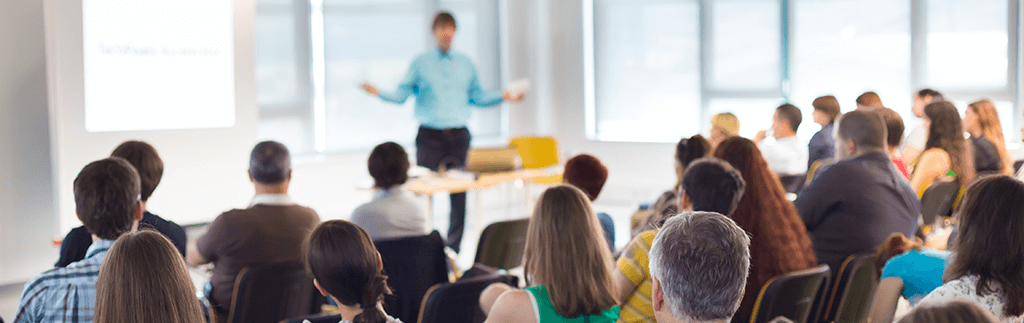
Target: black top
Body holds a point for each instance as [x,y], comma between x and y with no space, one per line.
[986,157]
[77,242]
[853,205]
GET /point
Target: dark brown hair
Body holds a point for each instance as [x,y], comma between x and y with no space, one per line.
[567,253]
[990,243]
[827,104]
[389,165]
[144,279]
[106,196]
[693,148]
[947,133]
[586,173]
[870,99]
[791,114]
[956,311]
[864,128]
[344,261]
[146,161]
[443,18]
[893,126]
[897,244]
[935,95]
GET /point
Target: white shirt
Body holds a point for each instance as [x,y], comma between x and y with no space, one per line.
[963,288]
[272,199]
[787,156]
[917,137]
[393,213]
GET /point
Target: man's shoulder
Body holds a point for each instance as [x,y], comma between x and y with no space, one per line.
[77,273]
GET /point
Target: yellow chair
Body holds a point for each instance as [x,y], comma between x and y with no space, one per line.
[538,152]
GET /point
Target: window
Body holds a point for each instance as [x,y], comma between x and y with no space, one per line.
[313,56]
[749,56]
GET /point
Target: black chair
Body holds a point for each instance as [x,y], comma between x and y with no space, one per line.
[413,265]
[793,183]
[938,201]
[270,293]
[853,292]
[459,302]
[793,295]
[315,318]
[502,244]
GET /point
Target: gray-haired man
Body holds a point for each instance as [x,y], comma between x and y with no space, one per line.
[699,262]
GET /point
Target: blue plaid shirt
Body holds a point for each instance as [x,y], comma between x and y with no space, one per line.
[64,294]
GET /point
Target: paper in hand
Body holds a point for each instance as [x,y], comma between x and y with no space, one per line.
[518,87]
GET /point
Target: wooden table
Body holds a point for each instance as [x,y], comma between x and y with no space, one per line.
[434,183]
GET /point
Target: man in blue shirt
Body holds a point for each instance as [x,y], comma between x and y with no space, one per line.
[108,204]
[446,86]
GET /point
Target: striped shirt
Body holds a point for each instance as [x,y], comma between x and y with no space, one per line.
[64,294]
[634,265]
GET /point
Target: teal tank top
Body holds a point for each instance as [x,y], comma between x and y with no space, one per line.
[548,314]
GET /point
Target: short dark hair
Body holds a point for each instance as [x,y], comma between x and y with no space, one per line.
[713,185]
[935,95]
[146,161]
[864,128]
[827,104]
[791,114]
[270,163]
[443,18]
[389,165]
[106,192]
[690,149]
[893,126]
[587,173]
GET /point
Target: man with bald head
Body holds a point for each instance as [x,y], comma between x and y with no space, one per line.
[270,231]
[853,205]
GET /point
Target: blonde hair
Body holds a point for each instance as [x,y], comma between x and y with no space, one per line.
[728,122]
[988,122]
[144,279]
[566,252]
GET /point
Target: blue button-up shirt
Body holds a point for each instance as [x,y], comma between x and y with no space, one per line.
[446,86]
[64,294]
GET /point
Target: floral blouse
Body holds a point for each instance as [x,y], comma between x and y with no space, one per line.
[964,288]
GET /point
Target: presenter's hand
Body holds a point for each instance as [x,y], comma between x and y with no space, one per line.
[761,135]
[370,89]
[512,99]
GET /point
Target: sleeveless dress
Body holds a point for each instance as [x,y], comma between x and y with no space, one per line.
[546,313]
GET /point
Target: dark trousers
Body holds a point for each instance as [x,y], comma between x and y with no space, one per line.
[447,148]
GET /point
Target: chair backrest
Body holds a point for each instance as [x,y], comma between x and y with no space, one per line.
[938,200]
[459,302]
[854,290]
[314,318]
[413,265]
[270,293]
[536,152]
[502,244]
[793,295]
[793,183]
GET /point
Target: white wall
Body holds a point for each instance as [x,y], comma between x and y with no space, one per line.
[27,213]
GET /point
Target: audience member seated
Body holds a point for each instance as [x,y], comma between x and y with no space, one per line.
[687,151]
[567,268]
[869,100]
[271,230]
[894,136]
[709,184]
[989,250]
[855,204]
[699,262]
[107,202]
[952,312]
[347,268]
[144,279]
[393,212]
[821,146]
[906,269]
[981,120]
[779,242]
[788,155]
[588,174]
[150,169]
[947,154]
[918,137]
[723,126]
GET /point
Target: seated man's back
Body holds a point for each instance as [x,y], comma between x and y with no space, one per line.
[265,233]
[393,213]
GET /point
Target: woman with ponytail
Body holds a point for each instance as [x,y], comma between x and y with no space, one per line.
[347,267]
